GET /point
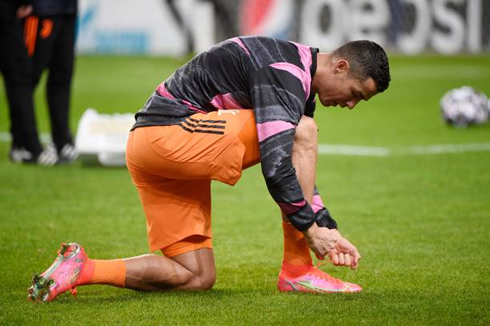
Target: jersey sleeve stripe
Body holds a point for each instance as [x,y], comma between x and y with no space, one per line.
[290,208]
[162,90]
[317,203]
[305,56]
[192,107]
[240,43]
[271,128]
[225,102]
[294,70]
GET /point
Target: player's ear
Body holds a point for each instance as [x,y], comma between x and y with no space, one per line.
[341,66]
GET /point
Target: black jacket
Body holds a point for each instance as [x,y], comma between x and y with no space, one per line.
[54,7]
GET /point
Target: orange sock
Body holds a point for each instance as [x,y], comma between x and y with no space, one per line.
[110,272]
[296,250]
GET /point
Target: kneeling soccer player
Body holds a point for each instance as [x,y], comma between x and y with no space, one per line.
[244,101]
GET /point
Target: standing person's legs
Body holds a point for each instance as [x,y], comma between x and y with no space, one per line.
[52,48]
[59,79]
[16,69]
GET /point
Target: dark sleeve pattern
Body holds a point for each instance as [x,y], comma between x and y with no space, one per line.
[279,99]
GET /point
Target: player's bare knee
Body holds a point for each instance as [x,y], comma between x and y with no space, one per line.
[207,282]
[202,282]
[176,280]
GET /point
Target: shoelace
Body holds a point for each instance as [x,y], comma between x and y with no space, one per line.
[320,263]
[324,274]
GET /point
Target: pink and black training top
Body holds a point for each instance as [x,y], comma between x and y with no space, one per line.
[273,78]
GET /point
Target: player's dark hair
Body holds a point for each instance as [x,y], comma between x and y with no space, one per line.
[366,59]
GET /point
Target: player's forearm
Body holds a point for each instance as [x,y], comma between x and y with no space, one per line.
[286,192]
[292,203]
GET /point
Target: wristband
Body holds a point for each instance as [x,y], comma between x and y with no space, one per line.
[324,219]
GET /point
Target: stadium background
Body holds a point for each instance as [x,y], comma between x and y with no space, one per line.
[410,192]
[406,26]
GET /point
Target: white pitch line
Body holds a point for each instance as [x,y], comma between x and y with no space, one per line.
[6,138]
[449,148]
[353,150]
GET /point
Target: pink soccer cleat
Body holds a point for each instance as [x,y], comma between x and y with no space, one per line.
[312,280]
[62,275]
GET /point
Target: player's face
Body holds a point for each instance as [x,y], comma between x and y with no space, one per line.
[340,88]
[347,93]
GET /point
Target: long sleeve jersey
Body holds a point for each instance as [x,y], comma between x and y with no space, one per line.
[273,78]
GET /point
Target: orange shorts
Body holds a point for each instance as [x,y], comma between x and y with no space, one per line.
[172,168]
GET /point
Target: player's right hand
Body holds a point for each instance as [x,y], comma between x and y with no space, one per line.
[323,241]
[345,254]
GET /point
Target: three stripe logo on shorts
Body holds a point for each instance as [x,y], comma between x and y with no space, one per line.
[216,127]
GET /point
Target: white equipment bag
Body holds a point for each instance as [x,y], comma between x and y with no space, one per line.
[101,138]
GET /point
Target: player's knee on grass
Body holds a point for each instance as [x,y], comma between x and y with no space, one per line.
[201,267]
[203,282]
[203,277]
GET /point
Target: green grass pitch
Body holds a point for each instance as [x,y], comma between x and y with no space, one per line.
[421,222]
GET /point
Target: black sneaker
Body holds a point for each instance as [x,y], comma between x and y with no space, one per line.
[68,154]
[22,155]
[48,156]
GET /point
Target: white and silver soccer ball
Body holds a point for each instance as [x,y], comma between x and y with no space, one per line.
[464,106]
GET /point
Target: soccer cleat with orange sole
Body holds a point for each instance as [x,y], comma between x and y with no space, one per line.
[61,276]
[313,280]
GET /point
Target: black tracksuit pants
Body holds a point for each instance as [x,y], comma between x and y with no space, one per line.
[50,42]
[16,68]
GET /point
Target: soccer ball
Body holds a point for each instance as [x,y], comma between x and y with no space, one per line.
[464,106]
